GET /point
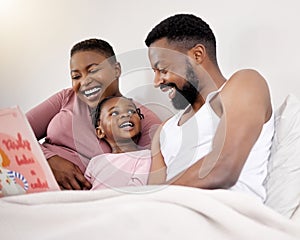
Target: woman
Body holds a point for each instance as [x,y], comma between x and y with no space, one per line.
[64,120]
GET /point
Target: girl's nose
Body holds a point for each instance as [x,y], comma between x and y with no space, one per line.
[125,114]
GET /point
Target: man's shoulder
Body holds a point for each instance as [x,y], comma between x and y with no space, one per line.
[246,76]
[246,80]
[247,88]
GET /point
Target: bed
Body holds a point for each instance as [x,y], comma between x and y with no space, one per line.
[171,212]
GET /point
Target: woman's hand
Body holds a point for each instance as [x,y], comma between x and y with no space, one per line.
[68,175]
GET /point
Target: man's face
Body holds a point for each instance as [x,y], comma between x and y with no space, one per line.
[173,74]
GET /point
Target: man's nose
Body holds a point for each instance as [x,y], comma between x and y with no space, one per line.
[158,80]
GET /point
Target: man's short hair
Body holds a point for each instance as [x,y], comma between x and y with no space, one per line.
[186,31]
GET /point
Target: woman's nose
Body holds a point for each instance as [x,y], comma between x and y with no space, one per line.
[86,80]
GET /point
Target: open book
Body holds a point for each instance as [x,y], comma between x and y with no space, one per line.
[23,167]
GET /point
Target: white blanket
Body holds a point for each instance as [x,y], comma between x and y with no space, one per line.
[164,212]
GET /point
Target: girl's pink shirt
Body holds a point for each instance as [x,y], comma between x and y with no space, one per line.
[65,124]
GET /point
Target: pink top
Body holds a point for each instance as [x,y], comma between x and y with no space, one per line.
[65,123]
[114,170]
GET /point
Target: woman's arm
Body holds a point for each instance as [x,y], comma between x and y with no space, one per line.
[67,174]
[40,116]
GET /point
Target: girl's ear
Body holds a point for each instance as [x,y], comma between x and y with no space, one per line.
[100,133]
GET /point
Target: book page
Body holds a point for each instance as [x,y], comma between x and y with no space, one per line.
[23,167]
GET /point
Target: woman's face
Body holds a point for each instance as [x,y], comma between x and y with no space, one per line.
[93,76]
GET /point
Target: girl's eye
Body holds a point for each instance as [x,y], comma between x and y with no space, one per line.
[115,113]
[131,111]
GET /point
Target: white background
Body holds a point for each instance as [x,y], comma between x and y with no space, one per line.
[36,37]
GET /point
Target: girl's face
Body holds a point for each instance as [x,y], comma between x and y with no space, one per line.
[93,76]
[119,120]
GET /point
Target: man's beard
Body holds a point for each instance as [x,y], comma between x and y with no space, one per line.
[188,94]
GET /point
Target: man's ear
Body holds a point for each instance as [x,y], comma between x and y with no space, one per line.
[118,70]
[100,133]
[198,53]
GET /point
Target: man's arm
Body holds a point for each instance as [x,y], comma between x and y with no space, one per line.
[245,107]
[158,169]
[150,123]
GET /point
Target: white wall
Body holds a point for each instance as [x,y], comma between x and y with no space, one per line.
[37,35]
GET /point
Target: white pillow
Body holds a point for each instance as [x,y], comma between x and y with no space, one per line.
[283,180]
[296,215]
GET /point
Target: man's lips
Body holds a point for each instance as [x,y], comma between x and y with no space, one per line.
[165,88]
[168,88]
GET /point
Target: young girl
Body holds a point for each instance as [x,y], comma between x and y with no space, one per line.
[117,121]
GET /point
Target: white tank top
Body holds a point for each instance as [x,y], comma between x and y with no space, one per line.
[182,146]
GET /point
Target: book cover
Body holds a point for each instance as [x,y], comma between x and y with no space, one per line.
[23,167]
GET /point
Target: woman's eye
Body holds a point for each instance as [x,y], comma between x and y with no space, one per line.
[93,70]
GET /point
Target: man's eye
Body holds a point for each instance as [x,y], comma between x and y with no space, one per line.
[76,77]
[162,70]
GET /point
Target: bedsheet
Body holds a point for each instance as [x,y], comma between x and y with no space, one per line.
[149,212]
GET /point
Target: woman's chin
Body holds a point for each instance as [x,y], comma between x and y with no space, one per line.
[92,100]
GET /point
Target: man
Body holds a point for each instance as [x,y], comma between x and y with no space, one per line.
[223,135]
